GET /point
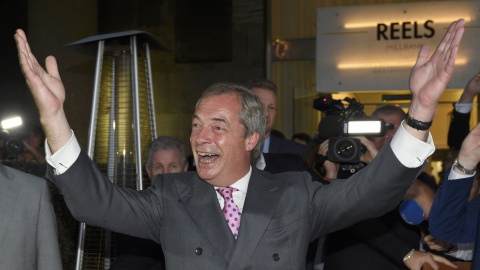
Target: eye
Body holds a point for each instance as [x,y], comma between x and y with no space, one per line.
[174,166]
[272,108]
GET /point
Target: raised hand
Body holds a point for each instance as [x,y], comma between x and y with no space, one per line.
[469,155]
[429,77]
[471,90]
[47,90]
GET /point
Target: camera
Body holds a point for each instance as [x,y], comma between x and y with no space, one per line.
[12,144]
[342,122]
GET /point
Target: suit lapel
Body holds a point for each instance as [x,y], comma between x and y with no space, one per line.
[263,196]
[8,198]
[200,200]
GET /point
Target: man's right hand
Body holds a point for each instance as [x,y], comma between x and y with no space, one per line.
[47,90]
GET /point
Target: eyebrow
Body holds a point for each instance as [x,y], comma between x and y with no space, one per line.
[215,119]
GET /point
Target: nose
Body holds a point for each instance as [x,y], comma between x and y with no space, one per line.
[265,109]
[201,136]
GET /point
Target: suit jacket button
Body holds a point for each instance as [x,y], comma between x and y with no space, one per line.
[276,257]
[198,251]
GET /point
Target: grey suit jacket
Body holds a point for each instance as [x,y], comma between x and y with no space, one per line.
[28,231]
[281,215]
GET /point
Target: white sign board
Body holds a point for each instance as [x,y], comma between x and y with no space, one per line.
[374,47]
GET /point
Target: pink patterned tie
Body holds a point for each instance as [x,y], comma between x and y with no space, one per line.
[230,209]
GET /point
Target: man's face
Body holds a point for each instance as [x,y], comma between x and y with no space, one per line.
[166,161]
[395,119]
[269,103]
[222,155]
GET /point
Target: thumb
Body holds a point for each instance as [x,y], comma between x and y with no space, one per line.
[423,56]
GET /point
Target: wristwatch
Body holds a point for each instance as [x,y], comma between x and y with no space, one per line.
[463,169]
[416,124]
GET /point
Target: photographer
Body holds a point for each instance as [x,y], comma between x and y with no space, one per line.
[33,146]
[383,242]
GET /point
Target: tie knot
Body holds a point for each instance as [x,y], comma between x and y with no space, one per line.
[226,192]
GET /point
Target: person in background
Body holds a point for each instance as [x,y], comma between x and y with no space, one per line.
[165,155]
[266,91]
[28,228]
[33,149]
[382,242]
[301,138]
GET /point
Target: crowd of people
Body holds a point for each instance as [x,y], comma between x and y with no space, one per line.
[251,199]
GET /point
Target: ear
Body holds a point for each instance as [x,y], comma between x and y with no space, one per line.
[252,141]
[149,173]
[185,168]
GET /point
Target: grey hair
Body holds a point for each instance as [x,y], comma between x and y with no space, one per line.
[165,143]
[251,116]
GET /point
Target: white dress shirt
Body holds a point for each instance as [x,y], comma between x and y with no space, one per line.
[410,151]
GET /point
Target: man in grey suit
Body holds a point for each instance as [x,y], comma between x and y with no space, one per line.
[28,231]
[280,213]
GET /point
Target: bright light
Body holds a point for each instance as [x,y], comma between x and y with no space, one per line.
[387,64]
[12,122]
[363,127]
[419,22]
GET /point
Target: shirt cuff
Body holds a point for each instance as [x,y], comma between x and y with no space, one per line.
[64,157]
[465,251]
[453,175]
[410,151]
[463,107]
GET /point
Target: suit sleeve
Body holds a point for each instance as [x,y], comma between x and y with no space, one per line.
[459,129]
[371,192]
[48,251]
[452,217]
[92,198]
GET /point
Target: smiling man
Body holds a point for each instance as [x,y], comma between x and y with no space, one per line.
[269,220]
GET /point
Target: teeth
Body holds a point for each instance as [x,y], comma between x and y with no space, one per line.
[206,154]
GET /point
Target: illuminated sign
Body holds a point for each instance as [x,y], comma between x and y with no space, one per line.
[374,47]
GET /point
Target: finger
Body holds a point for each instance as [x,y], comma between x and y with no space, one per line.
[422,56]
[451,60]
[455,42]
[443,260]
[52,67]
[22,34]
[432,264]
[449,37]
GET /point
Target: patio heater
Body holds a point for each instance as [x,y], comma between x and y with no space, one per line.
[122,123]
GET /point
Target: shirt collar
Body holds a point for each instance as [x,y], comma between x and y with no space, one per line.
[261,164]
[266,144]
[242,183]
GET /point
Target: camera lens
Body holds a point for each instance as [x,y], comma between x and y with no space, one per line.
[343,149]
[347,149]
[13,146]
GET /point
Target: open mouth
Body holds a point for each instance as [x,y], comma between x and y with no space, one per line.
[207,157]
